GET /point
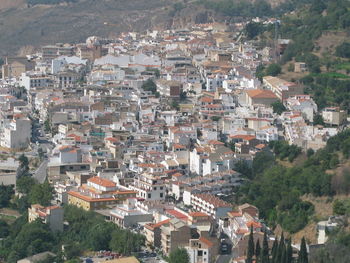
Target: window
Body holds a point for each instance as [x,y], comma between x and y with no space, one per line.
[200,252]
[161,195]
[161,188]
[149,195]
[154,188]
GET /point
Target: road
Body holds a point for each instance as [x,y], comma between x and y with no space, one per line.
[41,173]
[39,136]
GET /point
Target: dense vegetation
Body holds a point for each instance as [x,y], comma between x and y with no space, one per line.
[336,250]
[86,231]
[276,190]
[179,255]
[280,252]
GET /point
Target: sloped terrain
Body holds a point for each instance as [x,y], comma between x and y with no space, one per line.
[43,24]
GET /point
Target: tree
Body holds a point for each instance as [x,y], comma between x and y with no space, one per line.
[23,168]
[265,250]
[318,120]
[4,229]
[339,207]
[41,194]
[253,29]
[343,50]
[179,255]
[289,252]
[40,153]
[6,192]
[278,107]
[25,184]
[273,69]
[250,249]
[303,257]
[257,250]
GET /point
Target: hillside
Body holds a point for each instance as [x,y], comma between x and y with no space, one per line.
[21,24]
[39,22]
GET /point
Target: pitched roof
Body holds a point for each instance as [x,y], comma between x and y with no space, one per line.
[261,94]
[101,181]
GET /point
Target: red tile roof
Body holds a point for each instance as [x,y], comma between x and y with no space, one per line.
[176,214]
[101,181]
[261,94]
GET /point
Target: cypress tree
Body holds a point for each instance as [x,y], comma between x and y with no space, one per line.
[265,250]
[283,254]
[280,250]
[302,258]
[257,250]
[251,247]
[289,252]
[274,251]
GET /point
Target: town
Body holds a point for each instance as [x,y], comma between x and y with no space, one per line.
[152,131]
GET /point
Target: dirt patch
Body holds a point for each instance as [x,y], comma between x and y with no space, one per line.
[330,40]
[323,210]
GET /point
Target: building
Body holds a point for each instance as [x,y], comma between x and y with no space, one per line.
[300,67]
[98,193]
[201,250]
[334,116]
[50,52]
[169,88]
[174,235]
[260,97]
[16,133]
[35,81]
[51,215]
[210,204]
[128,215]
[149,186]
[153,233]
[281,88]
[14,67]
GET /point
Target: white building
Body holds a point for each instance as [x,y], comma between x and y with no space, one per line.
[17,133]
[149,187]
[31,80]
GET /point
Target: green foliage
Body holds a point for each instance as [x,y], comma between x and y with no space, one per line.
[276,190]
[273,69]
[341,207]
[303,257]
[318,119]
[24,184]
[179,255]
[4,229]
[23,168]
[234,8]
[253,29]
[149,85]
[283,150]
[6,192]
[309,25]
[33,238]
[278,107]
[343,50]
[92,232]
[250,249]
[41,194]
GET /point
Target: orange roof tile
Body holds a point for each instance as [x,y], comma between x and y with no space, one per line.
[101,181]
[261,94]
